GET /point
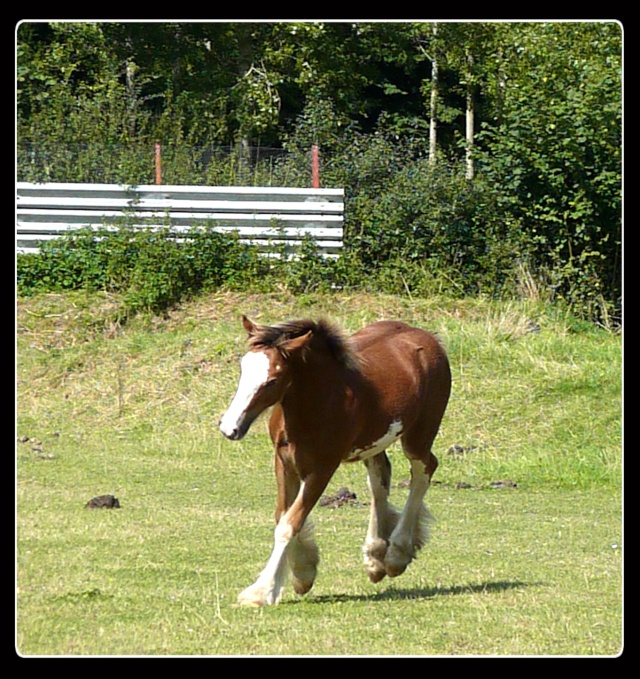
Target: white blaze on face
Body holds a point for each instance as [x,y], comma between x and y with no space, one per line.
[254,371]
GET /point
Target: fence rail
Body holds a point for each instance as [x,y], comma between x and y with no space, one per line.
[263,216]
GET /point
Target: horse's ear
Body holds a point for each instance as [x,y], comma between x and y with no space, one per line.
[297,344]
[249,326]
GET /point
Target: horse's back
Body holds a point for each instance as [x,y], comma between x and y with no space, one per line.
[407,366]
[395,340]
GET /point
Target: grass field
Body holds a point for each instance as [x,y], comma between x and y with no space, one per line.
[525,557]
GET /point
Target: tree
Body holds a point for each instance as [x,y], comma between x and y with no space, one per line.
[555,151]
[530,110]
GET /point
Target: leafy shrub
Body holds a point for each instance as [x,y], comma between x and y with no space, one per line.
[441,223]
[151,268]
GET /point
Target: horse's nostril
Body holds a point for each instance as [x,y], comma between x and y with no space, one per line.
[232,434]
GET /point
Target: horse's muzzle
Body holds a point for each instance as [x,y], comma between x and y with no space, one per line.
[236,431]
[233,435]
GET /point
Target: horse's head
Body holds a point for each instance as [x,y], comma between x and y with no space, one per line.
[264,377]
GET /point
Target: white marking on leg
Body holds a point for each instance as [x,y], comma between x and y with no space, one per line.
[393,434]
[382,519]
[411,532]
[254,371]
[267,589]
[303,558]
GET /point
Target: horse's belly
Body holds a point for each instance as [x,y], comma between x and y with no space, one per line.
[369,450]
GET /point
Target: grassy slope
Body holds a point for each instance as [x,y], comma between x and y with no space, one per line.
[132,411]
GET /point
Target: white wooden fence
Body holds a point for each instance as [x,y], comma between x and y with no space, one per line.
[262,216]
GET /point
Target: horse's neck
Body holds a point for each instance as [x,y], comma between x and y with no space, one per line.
[318,390]
[322,411]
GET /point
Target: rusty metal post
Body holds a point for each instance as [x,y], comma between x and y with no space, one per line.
[158,164]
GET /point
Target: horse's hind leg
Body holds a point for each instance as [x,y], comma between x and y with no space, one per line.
[382,518]
[412,529]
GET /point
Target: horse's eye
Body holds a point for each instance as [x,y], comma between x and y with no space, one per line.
[271,383]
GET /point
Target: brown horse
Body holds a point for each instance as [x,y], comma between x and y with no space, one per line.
[337,400]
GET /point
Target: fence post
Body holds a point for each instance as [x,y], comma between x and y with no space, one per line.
[315,167]
[158,164]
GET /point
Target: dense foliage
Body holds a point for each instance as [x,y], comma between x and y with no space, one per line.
[474,155]
[153,270]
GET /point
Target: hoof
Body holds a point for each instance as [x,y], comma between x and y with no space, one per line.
[374,554]
[397,559]
[256,597]
[376,574]
[244,600]
[300,587]
[393,571]
[302,580]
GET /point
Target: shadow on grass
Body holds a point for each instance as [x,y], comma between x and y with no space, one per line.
[397,594]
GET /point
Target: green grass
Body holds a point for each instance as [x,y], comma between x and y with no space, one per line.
[534,569]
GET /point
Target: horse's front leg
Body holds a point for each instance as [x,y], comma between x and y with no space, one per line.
[291,545]
[302,552]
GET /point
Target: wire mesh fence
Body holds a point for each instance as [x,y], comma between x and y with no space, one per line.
[180,164]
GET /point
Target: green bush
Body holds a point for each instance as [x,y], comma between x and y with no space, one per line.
[153,269]
[435,221]
[411,226]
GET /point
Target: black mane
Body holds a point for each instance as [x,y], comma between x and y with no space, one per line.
[324,334]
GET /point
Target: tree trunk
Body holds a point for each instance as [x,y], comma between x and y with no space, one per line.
[469,132]
[132,98]
[470,118]
[243,67]
[433,104]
